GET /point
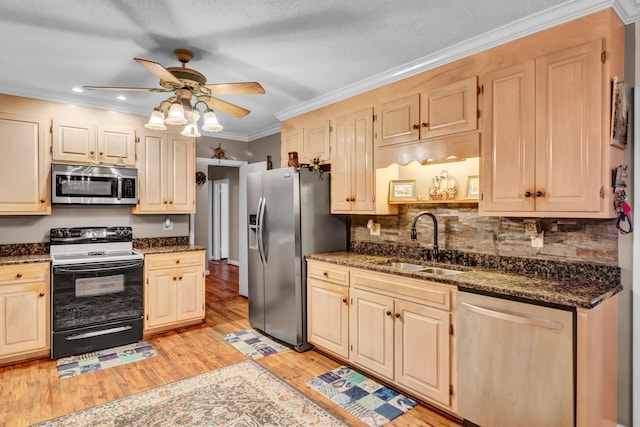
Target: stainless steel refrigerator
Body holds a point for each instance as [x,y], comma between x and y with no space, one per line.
[288,219]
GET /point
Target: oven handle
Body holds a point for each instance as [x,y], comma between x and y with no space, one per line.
[60,269]
[97,333]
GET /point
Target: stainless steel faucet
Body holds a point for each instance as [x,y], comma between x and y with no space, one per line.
[414,233]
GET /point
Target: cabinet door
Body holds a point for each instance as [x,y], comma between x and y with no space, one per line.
[327,316]
[23,317]
[74,142]
[315,143]
[291,141]
[190,299]
[341,159]
[422,343]
[508,143]
[180,175]
[449,109]
[116,145]
[360,126]
[152,178]
[161,296]
[371,323]
[24,166]
[399,121]
[568,120]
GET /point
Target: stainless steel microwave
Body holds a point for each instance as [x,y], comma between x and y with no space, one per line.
[93,185]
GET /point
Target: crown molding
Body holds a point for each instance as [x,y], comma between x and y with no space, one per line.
[627,10]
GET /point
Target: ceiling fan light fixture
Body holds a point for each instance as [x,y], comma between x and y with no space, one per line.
[191,130]
[156,120]
[211,123]
[175,115]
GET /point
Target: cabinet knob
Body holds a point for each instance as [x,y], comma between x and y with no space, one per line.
[527,194]
[19,275]
[347,199]
[539,193]
[165,202]
[397,315]
[353,199]
[180,278]
[425,125]
[101,154]
[416,127]
[92,152]
[177,261]
[41,294]
[344,300]
[388,313]
[170,202]
[325,274]
[175,278]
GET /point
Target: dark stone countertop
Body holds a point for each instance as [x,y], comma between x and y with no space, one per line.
[169,249]
[573,293]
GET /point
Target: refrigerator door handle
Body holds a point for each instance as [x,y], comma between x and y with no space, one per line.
[259,230]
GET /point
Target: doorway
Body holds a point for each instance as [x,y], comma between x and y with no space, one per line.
[220,231]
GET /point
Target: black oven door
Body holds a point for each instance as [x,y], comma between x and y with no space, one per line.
[96,305]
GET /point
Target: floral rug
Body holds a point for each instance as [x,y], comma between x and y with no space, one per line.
[253,344]
[242,394]
[362,397]
[91,362]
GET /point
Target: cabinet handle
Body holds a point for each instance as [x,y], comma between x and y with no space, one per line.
[42,200]
[92,152]
[527,194]
[41,294]
[101,154]
[539,194]
[325,274]
[388,313]
[416,127]
[19,275]
[425,125]
[397,315]
[344,300]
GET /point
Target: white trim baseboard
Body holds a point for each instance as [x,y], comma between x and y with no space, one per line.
[233,262]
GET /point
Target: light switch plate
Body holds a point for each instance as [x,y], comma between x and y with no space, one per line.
[375,230]
[167,224]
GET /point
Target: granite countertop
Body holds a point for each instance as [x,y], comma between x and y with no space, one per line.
[24,259]
[168,249]
[574,293]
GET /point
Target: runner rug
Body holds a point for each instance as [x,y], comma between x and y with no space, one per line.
[91,362]
[253,344]
[362,397]
[243,394]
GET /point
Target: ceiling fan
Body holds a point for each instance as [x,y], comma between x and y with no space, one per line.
[186,83]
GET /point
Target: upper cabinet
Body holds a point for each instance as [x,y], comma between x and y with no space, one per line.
[24,165]
[89,143]
[438,111]
[166,174]
[543,137]
[310,142]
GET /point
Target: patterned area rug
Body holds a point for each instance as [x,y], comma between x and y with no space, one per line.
[240,395]
[362,397]
[253,344]
[91,362]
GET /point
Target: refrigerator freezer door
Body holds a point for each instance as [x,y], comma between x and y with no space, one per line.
[255,272]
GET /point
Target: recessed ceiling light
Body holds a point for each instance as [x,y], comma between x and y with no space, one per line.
[122,97]
[77,89]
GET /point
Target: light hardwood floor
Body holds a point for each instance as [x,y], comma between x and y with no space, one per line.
[31,391]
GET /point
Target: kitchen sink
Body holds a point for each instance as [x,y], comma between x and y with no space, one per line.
[407,266]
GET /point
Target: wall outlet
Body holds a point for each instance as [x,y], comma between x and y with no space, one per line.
[375,229]
[538,241]
[167,224]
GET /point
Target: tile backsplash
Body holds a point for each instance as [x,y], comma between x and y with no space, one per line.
[460,228]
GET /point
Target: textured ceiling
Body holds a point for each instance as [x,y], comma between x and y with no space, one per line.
[299,51]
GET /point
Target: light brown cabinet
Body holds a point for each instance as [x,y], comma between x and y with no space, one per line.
[166,174]
[310,142]
[174,290]
[24,165]
[434,112]
[80,142]
[542,137]
[24,311]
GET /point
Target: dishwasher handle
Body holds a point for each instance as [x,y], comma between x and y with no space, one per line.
[516,318]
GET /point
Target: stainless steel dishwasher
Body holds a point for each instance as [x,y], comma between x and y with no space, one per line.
[515,363]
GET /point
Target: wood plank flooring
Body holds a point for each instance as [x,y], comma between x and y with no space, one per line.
[31,391]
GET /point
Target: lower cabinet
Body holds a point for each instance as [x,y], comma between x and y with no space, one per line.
[24,311]
[396,328]
[174,290]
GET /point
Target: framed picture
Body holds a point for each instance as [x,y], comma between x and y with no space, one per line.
[619,113]
[473,187]
[402,190]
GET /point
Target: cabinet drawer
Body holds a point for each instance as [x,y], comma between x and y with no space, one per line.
[23,273]
[328,272]
[175,259]
[421,291]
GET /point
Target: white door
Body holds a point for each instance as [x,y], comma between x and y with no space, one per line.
[220,219]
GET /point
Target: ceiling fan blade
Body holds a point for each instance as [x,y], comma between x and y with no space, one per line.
[231,88]
[218,104]
[136,89]
[158,70]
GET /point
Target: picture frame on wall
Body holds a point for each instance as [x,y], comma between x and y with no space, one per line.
[619,113]
[473,187]
[402,190]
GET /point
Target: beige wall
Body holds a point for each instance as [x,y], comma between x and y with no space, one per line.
[263,147]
